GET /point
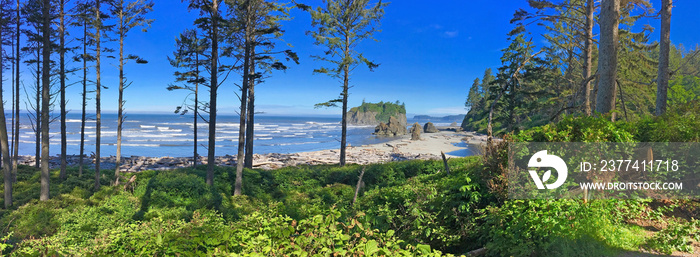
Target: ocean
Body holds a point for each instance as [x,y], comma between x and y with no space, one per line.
[158,135]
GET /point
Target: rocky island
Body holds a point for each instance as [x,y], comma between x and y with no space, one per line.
[390,118]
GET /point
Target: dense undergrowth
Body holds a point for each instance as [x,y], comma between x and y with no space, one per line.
[410,208]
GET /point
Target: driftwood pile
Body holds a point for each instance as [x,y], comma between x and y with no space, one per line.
[260,161]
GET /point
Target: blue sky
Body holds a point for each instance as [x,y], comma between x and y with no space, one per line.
[429,54]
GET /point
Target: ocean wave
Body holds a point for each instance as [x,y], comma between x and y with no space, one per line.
[142,145]
[299,143]
[79,120]
[153,135]
[176,123]
[162,140]
[170,130]
[227,125]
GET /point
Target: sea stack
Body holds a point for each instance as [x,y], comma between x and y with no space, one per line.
[392,129]
[389,118]
[415,131]
[430,128]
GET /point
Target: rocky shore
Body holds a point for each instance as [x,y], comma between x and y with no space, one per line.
[402,148]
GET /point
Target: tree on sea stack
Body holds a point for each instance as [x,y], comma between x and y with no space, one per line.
[341,25]
[129,15]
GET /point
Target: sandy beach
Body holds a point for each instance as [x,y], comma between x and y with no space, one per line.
[402,148]
[429,144]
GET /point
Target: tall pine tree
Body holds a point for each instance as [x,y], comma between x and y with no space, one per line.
[341,25]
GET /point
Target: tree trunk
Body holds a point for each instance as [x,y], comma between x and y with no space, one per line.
[37,131]
[84,102]
[4,143]
[196,101]
[120,104]
[664,49]
[6,162]
[250,127]
[62,74]
[607,62]
[242,125]
[11,142]
[17,61]
[98,89]
[489,126]
[588,57]
[344,120]
[45,101]
[211,151]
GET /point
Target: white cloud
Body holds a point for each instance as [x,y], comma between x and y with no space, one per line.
[451,34]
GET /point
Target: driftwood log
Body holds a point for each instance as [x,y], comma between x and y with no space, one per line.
[357,188]
[444,160]
[477,252]
[128,183]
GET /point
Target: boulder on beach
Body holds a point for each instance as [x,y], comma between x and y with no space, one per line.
[391,129]
[415,131]
[430,128]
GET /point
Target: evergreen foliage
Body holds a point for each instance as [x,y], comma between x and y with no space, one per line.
[383,109]
[549,86]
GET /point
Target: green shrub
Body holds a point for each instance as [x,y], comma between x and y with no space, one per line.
[675,237]
[679,124]
[174,194]
[439,210]
[557,228]
[320,235]
[578,129]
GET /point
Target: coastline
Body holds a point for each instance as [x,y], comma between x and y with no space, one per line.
[401,148]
